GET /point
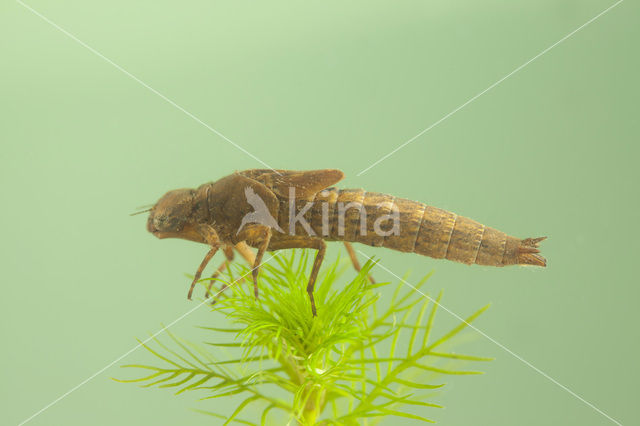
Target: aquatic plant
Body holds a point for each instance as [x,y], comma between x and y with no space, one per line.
[360,360]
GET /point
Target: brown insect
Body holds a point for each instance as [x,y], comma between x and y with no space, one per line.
[281,209]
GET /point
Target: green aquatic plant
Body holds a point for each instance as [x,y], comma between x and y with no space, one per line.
[358,361]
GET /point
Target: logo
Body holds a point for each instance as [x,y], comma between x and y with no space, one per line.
[262,216]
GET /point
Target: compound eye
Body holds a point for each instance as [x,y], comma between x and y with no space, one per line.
[174,224]
[162,223]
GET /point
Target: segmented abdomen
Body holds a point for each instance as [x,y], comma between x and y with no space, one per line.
[383,220]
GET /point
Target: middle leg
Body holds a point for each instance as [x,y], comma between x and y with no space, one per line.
[264,244]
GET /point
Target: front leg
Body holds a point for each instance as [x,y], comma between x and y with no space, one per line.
[245,251]
[211,237]
[228,254]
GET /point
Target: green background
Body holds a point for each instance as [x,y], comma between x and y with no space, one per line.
[551,151]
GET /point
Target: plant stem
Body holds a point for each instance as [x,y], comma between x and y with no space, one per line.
[314,404]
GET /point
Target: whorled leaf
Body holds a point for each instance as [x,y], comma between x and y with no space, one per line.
[360,358]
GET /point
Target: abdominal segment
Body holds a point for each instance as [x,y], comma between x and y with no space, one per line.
[382,220]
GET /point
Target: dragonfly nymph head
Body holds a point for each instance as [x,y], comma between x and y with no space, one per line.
[172,216]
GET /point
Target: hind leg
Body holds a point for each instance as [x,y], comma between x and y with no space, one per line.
[354,260]
[317,244]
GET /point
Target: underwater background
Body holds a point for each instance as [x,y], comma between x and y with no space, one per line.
[550,150]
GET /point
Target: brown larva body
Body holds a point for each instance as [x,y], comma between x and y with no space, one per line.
[278,209]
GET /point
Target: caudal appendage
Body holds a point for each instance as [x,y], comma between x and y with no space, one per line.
[527,252]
